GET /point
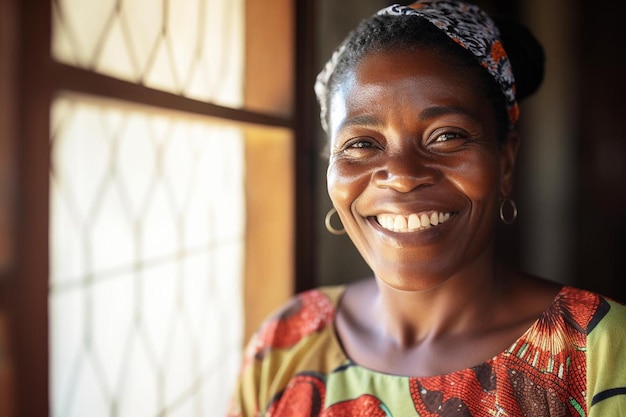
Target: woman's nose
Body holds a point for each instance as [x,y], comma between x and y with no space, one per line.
[405,174]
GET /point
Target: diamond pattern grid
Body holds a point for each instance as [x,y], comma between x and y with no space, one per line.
[192,48]
[146,315]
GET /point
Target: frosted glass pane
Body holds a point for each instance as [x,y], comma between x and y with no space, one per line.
[227,269]
[188,409]
[66,345]
[198,225]
[195,291]
[230,175]
[89,399]
[160,75]
[144,20]
[139,395]
[222,36]
[69,265]
[110,233]
[215,384]
[194,48]
[158,236]
[112,324]
[179,363]
[116,59]
[184,24]
[158,303]
[147,247]
[63,48]
[82,152]
[85,22]
[178,167]
[136,162]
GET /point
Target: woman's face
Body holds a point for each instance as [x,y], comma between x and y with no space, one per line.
[416,172]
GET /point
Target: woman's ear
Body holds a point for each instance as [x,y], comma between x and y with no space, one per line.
[508,155]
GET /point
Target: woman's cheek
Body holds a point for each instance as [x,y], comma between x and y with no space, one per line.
[345,182]
[478,177]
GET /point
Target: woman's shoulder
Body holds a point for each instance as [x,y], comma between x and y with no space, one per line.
[593,311]
[604,351]
[314,304]
[306,313]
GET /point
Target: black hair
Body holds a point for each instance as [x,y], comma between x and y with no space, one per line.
[410,32]
[526,55]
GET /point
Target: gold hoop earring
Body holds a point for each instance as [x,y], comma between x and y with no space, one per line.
[513,210]
[329,226]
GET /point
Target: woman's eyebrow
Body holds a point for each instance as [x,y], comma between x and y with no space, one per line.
[437,111]
[427,114]
[361,120]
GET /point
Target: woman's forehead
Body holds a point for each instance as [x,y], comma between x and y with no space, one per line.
[418,73]
[406,84]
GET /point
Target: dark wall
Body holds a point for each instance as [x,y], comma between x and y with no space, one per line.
[601,233]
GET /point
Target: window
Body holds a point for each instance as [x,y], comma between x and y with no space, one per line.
[154,119]
[146,262]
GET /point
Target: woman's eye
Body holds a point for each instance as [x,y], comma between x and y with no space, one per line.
[361,144]
[447,136]
[448,140]
[358,147]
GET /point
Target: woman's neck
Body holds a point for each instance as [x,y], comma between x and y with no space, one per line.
[462,303]
[461,323]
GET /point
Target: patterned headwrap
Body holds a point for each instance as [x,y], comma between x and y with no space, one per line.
[467,25]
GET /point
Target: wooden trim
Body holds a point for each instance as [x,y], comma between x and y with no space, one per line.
[8,115]
[306,149]
[29,291]
[9,57]
[84,81]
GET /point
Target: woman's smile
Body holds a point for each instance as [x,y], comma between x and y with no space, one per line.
[406,230]
[416,170]
[413,222]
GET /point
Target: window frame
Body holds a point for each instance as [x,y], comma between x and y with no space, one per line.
[32,78]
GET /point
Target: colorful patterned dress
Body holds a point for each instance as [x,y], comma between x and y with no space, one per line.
[571,362]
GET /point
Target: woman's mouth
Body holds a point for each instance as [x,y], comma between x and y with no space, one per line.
[413,222]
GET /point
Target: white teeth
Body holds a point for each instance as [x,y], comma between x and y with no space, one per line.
[400,223]
[414,221]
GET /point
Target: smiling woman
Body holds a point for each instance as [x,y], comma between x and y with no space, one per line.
[431,150]
[420,106]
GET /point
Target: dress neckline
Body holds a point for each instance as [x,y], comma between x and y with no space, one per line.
[336,297]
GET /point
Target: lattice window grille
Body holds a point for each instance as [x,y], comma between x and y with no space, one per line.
[146,261]
[188,47]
